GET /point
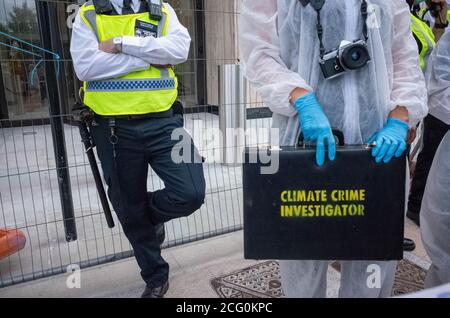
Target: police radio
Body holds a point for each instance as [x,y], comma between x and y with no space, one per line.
[103,6]
[155,9]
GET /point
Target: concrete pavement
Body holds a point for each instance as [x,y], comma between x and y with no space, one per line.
[192,267]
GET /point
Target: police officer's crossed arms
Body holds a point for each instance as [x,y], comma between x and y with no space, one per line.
[124,52]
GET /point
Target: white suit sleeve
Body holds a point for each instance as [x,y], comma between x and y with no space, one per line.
[438,80]
[408,89]
[171,49]
[92,64]
[260,56]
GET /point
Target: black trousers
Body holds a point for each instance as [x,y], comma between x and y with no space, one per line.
[434,132]
[140,143]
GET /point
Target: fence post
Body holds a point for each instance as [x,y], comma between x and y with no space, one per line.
[48,27]
[232,113]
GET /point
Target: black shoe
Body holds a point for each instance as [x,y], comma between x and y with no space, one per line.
[415,217]
[408,245]
[156,292]
[160,233]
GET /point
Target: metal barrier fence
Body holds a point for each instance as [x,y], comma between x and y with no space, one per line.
[30,201]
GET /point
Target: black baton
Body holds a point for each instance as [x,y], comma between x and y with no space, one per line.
[83,116]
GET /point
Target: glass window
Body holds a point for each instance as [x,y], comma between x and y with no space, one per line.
[23,73]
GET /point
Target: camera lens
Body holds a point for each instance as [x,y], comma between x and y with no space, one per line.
[354,57]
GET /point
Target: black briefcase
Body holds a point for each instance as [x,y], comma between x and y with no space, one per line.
[349,209]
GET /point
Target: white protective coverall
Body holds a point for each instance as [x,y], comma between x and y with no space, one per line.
[438,80]
[435,217]
[435,213]
[280,51]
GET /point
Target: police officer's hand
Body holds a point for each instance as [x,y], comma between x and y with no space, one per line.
[108,47]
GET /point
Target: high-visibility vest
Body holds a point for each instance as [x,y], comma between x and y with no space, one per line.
[149,91]
[425,38]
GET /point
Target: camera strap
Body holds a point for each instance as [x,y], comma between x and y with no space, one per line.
[317,5]
[103,7]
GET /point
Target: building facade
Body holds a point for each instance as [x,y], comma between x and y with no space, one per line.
[23,85]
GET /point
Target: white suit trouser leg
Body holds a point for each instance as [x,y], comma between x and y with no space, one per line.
[304,279]
[435,217]
[308,279]
[367,279]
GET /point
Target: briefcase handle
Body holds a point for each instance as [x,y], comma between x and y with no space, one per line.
[336,132]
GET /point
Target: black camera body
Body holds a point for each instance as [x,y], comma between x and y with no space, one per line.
[155,9]
[349,56]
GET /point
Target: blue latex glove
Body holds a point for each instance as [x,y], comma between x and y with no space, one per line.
[315,126]
[390,141]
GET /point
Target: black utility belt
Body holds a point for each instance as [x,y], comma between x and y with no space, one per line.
[165,114]
[175,109]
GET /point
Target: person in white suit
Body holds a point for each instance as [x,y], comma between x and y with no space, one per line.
[375,102]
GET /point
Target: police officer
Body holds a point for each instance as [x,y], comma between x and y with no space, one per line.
[426,35]
[124,52]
